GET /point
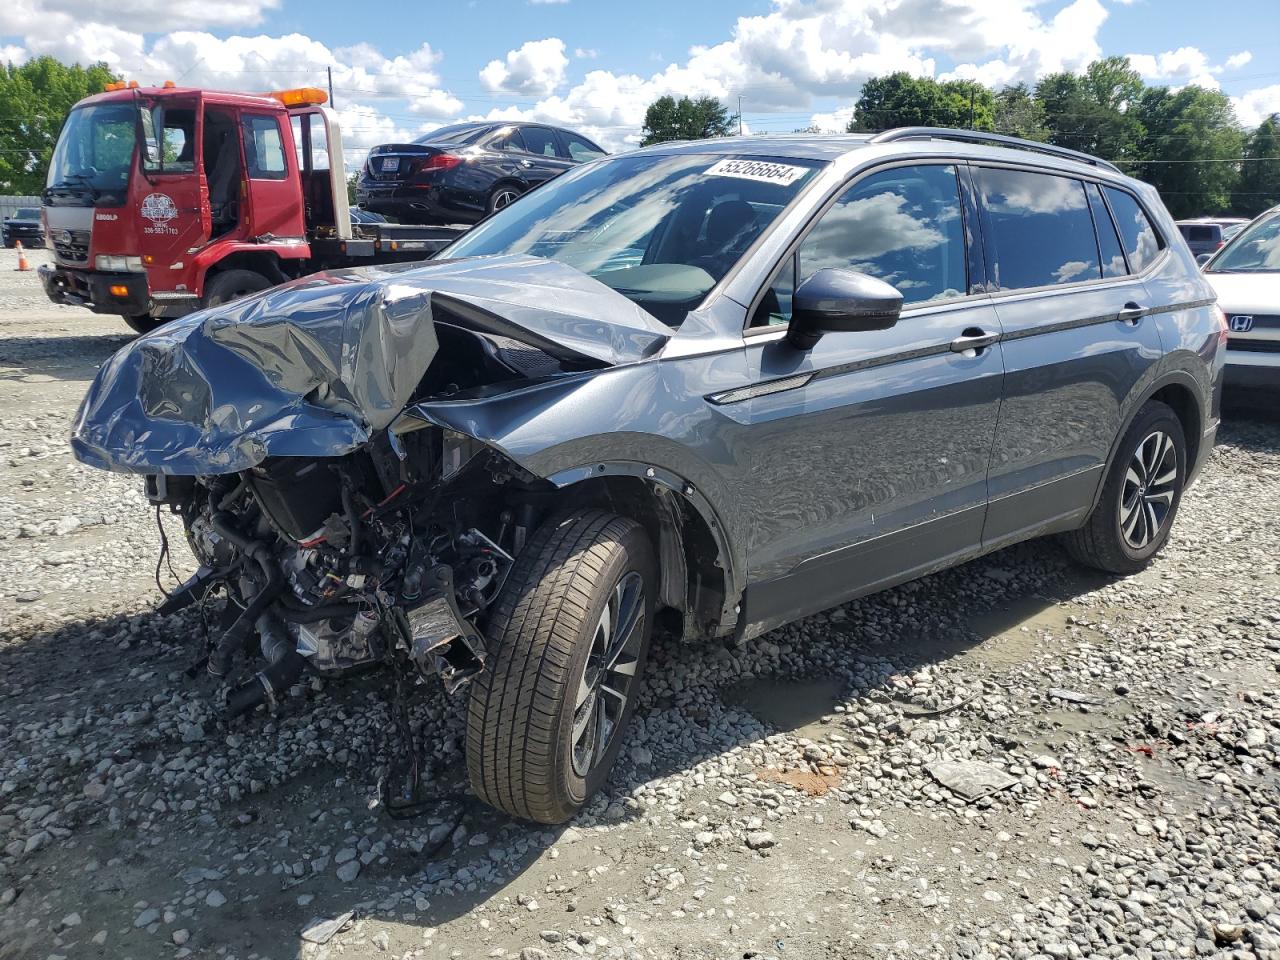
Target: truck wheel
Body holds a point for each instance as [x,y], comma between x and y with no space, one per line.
[145,323]
[568,639]
[1134,515]
[503,195]
[232,285]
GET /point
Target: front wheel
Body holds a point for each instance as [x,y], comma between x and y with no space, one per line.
[232,285]
[1139,501]
[568,639]
[144,323]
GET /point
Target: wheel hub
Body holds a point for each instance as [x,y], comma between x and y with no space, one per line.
[1150,485]
[608,677]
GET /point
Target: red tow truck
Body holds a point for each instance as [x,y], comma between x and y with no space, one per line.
[164,200]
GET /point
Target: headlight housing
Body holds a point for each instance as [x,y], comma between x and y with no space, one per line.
[117,263]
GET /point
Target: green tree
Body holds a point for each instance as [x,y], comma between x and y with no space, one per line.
[1192,144]
[34,99]
[353,180]
[1095,112]
[1259,186]
[902,100]
[1019,114]
[670,119]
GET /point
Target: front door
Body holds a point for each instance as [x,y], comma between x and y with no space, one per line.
[866,457]
[169,195]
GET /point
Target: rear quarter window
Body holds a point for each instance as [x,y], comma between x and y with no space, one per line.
[1141,242]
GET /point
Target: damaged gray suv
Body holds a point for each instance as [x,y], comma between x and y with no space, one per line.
[710,387]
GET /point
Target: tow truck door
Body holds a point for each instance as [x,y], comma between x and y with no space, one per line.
[169,197]
[274,202]
[318,141]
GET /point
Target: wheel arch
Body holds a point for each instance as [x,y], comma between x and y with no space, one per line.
[1178,389]
[698,577]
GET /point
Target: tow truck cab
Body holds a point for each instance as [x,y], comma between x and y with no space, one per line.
[155,193]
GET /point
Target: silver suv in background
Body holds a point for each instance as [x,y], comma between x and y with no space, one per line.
[1246,276]
[716,385]
[1209,234]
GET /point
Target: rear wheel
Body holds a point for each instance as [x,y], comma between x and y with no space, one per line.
[1139,501]
[232,285]
[503,195]
[568,636]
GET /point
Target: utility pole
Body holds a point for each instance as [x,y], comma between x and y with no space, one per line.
[329,70]
[739,114]
[971,108]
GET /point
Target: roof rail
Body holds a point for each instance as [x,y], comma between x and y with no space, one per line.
[994,139]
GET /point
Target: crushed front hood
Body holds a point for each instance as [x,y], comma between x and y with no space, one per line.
[315,367]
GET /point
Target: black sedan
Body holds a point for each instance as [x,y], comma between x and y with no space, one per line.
[463,172]
[24,225]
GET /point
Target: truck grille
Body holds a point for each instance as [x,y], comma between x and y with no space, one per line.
[71,246]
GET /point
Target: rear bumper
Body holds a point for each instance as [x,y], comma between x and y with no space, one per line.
[431,204]
[92,289]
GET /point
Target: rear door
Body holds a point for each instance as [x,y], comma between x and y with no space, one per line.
[866,457]
[1076,339]
[543,157]
[274,204]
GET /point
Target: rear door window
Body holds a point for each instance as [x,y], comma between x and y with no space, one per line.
[263,148]
[510,141]
[540,140]
[1141,242]
[1113,264]
[1040,228]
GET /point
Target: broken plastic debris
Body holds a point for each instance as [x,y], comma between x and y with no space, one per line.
[1072,696]
[320,930]
[970,779]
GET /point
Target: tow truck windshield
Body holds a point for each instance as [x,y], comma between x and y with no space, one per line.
[90,165]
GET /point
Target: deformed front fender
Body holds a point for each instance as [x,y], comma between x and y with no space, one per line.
[560,431]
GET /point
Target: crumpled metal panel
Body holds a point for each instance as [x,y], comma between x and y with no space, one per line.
[316,367]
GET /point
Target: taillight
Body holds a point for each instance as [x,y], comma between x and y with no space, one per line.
[440,161]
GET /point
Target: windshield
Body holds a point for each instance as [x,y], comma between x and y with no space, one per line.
[94,151]
[1256,250]
[457,133]
[26,213]
[661,230]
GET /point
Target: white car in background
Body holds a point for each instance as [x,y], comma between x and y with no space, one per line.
[1246,275]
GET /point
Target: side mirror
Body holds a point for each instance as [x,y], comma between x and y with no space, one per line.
[835,300]
[1203,258]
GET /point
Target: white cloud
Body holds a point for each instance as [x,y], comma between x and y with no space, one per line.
[1237,60]
[837,121]
[536,69]
[49,21]
[585,53]
[1256,105]
[1181,67]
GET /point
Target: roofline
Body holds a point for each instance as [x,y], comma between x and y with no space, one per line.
[991,139]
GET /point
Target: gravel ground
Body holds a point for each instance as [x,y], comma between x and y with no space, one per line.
[787,800]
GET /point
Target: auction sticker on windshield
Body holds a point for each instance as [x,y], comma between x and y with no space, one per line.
[765,172]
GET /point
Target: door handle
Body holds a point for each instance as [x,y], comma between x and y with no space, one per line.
[974,339]
[1132,314]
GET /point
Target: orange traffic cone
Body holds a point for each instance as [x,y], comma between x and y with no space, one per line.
[22,258]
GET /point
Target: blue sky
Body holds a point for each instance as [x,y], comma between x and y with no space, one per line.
[401,67]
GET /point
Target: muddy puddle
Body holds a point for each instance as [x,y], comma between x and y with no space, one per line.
[789,706]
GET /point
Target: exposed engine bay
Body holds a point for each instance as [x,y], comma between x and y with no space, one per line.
[359,460]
